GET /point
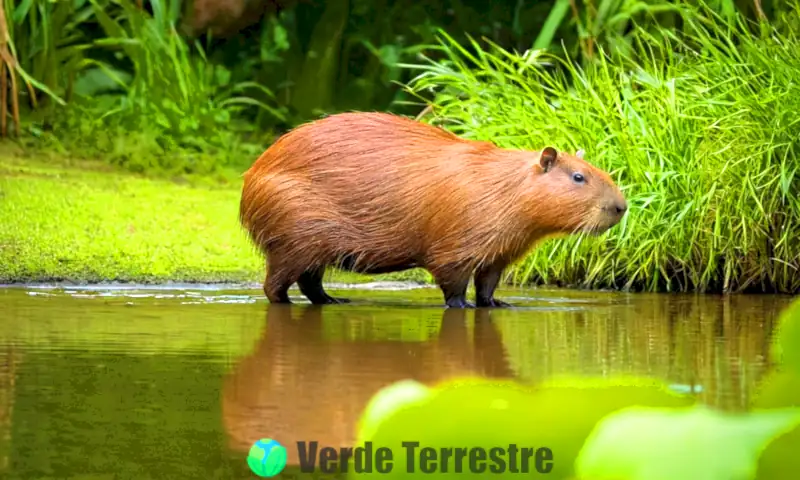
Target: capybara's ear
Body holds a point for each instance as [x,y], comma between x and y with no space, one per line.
[580,153]
[548,158]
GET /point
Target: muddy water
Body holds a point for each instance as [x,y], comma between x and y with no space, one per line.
[178,383]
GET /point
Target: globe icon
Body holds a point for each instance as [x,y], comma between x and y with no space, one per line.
[267,458]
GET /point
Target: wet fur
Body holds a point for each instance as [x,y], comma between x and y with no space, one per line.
[378,193]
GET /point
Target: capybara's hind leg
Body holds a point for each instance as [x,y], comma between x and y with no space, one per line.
[310,284]
[277,283]
[454,287]
[486,280]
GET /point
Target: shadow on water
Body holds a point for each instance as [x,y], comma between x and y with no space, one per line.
[142,383]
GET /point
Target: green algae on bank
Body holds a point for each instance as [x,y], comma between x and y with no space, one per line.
[90,223]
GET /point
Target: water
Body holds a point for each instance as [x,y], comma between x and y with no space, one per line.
[176,383]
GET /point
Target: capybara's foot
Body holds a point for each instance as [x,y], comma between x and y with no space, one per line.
[276,295]
[453,283]
[492,303]
[458,302]
[283,300]
[486,280]
[310,283]
[328,300]
[277,283]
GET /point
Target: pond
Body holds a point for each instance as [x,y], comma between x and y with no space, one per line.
[178,382]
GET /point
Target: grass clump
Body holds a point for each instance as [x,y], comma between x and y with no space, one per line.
[123,84]
[699,129]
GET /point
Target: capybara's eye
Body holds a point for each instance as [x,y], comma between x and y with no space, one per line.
[578,178]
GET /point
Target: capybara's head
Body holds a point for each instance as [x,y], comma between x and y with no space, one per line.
[576,196]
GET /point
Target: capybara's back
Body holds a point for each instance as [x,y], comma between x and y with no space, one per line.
[378,193]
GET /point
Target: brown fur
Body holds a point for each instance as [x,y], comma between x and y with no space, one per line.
[224,18]
[376,193]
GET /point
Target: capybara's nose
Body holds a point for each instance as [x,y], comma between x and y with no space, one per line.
[617,208]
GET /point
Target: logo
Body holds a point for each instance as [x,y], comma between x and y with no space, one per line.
[267,458]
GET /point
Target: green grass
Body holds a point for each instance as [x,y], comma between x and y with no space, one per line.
[78,221]
[61,222]
[700,131]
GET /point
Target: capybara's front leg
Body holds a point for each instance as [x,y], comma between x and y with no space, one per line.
[486,280]
[310,284]
[454,287]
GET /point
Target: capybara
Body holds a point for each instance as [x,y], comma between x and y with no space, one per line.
[377,193]
[224,18]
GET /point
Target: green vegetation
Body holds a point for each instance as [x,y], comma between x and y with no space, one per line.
[76,221]
[144,85]
[148,89]
[699,129]
[596,427]
[79,223]
[692,108]
[138,94]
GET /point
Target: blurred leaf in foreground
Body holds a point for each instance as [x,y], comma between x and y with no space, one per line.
[779,389]
[552,420]
[656,443]
[390,400]
[786,348]
[781,386]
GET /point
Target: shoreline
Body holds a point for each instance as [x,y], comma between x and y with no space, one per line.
[392,285]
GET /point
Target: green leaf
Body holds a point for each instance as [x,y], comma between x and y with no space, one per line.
[26,76]
[101,79]
[21,11]
[551,24]
[641,443]
[390,400]
[478,412]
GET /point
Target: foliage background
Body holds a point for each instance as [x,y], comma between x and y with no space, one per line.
[158,79]
[690,104]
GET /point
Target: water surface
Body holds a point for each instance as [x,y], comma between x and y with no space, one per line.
[178,382]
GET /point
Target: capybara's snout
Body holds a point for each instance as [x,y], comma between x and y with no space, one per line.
[612,209]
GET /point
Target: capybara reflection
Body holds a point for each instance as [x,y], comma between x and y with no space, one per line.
[299,386]
[377,193]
